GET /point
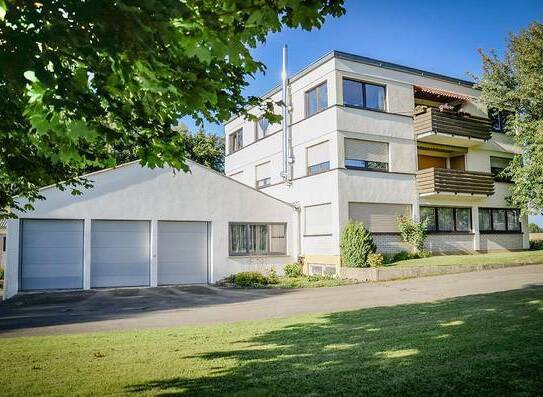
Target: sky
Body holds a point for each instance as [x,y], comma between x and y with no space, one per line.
[441,37]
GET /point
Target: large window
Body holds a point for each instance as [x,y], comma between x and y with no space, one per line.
[316,99]
[363,95]
[446,219]
[366,155]
[499,220]
[263,175]
[318,158]
[235,141]
[258,239]
[497,165]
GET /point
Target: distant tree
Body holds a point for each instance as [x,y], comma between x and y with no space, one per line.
[201,147]
[82,81]
[206,149]
[534,228]
[513,86]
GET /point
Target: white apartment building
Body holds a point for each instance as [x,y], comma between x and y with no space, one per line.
[371,141]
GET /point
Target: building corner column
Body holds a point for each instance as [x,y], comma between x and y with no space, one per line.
[475,226]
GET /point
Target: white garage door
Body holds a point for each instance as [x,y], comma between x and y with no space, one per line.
[182,252]
[119,253]
[52,254]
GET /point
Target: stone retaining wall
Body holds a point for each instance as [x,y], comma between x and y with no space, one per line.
[396,273]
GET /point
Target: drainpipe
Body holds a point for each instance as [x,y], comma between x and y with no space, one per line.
[286,139]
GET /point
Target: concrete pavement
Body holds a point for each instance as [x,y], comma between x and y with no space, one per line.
[138,308]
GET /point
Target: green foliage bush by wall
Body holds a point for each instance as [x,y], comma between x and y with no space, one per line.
[413,233]
[293,270]
[356,244]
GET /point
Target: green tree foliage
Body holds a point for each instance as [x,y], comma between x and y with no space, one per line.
[514,86]
[205,149]
[413,233]
[82,81]
[356,245]
[534,228]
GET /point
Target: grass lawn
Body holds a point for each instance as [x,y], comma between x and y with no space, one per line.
[478,345]
[520,257]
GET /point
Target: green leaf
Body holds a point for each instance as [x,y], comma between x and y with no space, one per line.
[3,9]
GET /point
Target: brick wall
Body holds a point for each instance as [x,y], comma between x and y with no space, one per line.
[444,243]
[490,242]
[392,243]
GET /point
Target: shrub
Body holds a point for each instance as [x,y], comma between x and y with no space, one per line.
[375,260]
[413,233]
[272,277]
[1,273]
[248,279]
[356,244]
[293,270]
[401,256]
[536,244]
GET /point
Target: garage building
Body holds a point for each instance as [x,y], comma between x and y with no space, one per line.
[147,227]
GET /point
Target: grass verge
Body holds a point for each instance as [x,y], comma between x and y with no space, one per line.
[505,258]
[477,345]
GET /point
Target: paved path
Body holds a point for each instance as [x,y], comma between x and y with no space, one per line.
[107,310]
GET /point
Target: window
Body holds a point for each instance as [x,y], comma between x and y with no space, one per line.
[446,219]
[499,220]
[318,158]
[235,141]
[263,175]
[363,95]
[258,239]
[366,155]
[262,127]
[316,99]
[498,120]
[497,165]
[4,241]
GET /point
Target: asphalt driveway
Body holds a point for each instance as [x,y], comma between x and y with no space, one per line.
[136,308]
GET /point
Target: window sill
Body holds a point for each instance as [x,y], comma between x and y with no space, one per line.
[501,232]
[442,233]
[367,169]
[364,108]
[257,256]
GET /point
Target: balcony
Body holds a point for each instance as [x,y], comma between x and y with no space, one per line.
[449,182]
[450,128]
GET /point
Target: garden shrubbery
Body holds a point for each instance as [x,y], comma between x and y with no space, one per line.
[248,279]
[293,270]
[356,245]
[536,244]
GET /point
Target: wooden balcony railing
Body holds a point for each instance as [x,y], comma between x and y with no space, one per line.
[442,180]
[431,120]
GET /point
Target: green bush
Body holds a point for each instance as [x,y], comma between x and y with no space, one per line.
[248,279]
[413,233]
[272,277]
[356,244]
[375,260]
[401,256]
[536,244]
[293,270]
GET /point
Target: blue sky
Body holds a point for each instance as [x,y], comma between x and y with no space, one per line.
[440,36]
